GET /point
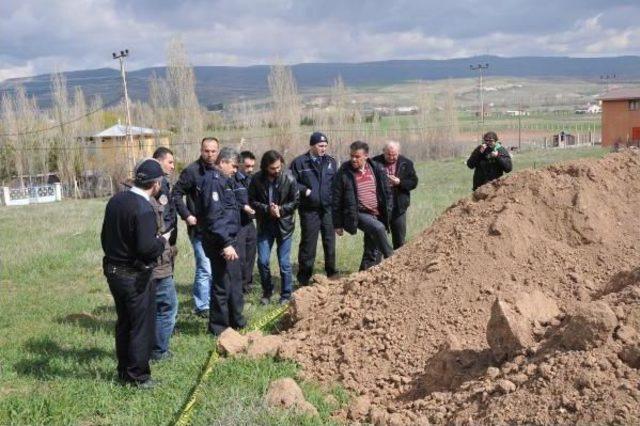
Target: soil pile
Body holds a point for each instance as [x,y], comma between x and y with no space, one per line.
[519,304]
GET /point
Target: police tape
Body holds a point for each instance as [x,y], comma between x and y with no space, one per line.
[184,416]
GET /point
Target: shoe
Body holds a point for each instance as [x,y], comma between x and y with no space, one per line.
[284,302]
[162,356]
[264,301]
[202,314]
[146,385]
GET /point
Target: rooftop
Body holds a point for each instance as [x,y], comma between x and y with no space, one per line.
[621,94]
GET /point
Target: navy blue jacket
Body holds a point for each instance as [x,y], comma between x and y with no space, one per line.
[241,189]
[220,213]
[316,176]
[190,185]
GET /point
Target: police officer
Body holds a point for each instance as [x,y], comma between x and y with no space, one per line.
[221,223]
[189,186]
[166,296]
[314,172]
[246,237]
[131,246]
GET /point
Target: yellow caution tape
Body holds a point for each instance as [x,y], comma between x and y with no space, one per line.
[184,416]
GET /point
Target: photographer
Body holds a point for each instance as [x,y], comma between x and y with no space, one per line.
[489,160]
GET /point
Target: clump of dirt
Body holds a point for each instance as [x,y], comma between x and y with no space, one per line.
[444,330]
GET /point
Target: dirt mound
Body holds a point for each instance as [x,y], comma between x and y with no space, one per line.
[410,335]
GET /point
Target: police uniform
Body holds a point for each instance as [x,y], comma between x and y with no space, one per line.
[315,174]
[131,246]
[247,236]
[221,216]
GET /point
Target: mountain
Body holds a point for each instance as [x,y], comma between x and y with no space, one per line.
[223,83]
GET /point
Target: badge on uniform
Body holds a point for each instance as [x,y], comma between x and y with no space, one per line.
[163,200]
[215,196]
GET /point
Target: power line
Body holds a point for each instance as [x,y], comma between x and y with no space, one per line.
[46,129]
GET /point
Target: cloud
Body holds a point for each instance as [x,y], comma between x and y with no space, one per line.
[40,36]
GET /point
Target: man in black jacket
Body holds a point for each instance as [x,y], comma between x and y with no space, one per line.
[131,245]
[190,185]
[362,200]
[403,180]
[273,194]
[314,172]
[490,160]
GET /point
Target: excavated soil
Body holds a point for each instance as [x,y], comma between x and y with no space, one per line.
[410,335]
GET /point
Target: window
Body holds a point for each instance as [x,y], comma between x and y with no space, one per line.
[634,105]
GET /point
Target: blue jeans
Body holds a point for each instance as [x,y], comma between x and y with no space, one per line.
[202,279]
[166,312]
[266,238]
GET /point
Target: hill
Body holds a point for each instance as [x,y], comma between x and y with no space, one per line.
[224,83]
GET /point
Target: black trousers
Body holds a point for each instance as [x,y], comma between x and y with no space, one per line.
[247,241]
[376,242]
[134,297]
[398,230]
[227,300]
[312,223]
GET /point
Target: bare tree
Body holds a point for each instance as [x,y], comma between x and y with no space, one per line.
[187,112]
[286,109]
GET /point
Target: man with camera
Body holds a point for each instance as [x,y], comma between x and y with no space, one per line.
[489,160]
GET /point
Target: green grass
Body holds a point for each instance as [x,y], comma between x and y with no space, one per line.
[56,368]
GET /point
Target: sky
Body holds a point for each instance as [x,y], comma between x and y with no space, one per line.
[42,36]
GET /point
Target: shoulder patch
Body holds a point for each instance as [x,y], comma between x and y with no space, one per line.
[163,200]
[215,196]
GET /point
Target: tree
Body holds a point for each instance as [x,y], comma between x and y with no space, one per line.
[285,117]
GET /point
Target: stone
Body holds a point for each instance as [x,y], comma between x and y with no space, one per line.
[264,346]
[506,386]
[302,302]
[493,373]
[630,355]
[589,326]
[231,343]
[284,393]
[508,332]
[626,333]
[359,408]
[288,350]
[536,306]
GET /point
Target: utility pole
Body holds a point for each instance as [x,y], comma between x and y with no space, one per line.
[480,68]
[607,79]
[129,137]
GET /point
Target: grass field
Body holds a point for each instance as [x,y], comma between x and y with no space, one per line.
[57,358]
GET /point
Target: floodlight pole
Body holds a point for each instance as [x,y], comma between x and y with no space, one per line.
[128,136]
[480,68]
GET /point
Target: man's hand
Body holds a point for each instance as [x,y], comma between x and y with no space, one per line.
[483,147]
[229,254]
[395,181]
[192,221]
[307,192]
[274,210]
[494,154]
[339,231]
[248,209]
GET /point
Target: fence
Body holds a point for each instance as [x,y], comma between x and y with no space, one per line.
[31,195]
